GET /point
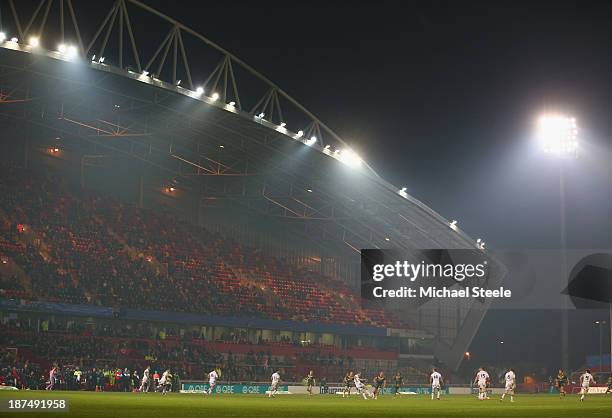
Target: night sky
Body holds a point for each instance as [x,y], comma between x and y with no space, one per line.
[442,97]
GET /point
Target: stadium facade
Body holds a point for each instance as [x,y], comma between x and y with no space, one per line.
[237,156]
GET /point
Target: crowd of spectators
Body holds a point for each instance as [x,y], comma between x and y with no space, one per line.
[83,248]
[135,345]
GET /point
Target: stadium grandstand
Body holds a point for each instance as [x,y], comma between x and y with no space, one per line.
[162,202]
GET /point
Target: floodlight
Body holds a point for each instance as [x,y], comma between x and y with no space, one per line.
[558,134]
[300,134]
[200,91]
[350,158]
[311,141]
[34,41]
[14,40]
[282,124]
[215,96]
[2,36]
[71,51]
[232,104]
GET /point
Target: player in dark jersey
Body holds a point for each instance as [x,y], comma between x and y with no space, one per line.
[561,382]
[399,381]
[310,381]
[379,383]
[609,384]
[348,381]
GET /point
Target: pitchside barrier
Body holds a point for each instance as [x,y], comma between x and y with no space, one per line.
[254,388]
[593,390]
[389,390]
[193,386]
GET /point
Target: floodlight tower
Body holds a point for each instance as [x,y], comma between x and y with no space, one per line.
[558,136]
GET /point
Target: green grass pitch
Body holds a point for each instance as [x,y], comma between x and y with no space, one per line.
[134,405]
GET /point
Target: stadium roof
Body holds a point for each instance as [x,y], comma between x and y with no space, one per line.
[303,175]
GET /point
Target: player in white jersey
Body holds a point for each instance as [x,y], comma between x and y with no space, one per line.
[481,380]
[144,385]
[361,389]
[585,381]
[275,382]
[212,381]
[166,382]
[435,379]
[510,385]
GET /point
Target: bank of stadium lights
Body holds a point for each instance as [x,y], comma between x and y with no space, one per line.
[14,40]
[558,134]
[260,115]
[71,51]
[232,104]
[299,134]
[200,91]
[480,244]
[403,192]
[282,128]
[310,142]
[350,158]
[453,225]
[215,96]
[34,42]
